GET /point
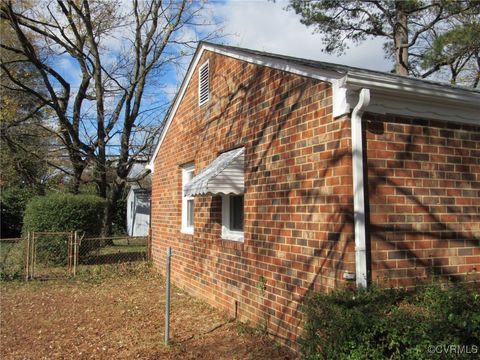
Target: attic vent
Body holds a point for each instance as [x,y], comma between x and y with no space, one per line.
[203,85]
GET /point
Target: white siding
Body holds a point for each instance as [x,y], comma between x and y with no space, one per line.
[138,212]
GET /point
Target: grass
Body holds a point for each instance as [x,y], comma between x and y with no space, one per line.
[120,249]
[117,253]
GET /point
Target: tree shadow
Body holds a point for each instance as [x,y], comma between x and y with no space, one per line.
[433,228]
[298,229]
[239,268]
[114,258]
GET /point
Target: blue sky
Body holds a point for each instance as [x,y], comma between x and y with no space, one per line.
[259,25]
[266,26]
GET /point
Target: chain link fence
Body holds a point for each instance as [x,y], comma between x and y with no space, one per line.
[113,250]
[63,254]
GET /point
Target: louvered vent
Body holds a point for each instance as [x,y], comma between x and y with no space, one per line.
[203,85]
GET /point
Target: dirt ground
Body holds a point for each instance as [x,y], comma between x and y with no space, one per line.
[105,314]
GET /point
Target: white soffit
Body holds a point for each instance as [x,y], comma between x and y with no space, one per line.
[425,109]
[225,175]
[417,105]
[416,98]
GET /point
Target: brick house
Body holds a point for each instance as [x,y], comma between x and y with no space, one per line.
[276,175]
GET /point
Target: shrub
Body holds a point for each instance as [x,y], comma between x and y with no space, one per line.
[12,205]
[62,213]
[391,323]
[12,260]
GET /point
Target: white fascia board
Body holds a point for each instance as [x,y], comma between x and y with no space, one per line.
[412,98]
[341,102]
[279,64]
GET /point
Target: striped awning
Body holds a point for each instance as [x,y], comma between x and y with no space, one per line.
[225,175]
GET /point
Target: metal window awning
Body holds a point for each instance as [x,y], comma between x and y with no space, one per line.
[225,175]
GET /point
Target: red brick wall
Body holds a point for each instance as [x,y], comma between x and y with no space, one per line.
[298,193]
[424,186]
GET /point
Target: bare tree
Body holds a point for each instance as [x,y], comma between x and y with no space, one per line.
[108,115]
[24,145]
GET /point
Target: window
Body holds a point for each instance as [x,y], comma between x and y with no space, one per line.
[232,217]
[187,201]
[203,84]
[236,213]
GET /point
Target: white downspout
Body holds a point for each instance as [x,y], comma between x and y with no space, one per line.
[358,189]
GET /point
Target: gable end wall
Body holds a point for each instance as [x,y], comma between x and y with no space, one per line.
[298,193]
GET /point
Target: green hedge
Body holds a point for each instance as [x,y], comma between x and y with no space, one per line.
[12,204]
[393,324]
[59,213]
[12,260]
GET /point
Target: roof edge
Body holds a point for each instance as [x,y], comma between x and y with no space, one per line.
[344,80]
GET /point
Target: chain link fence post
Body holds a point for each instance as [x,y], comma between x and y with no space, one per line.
[167,296]
[27,256]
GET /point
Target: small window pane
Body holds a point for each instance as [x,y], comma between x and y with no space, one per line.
[190,208]
[236,213]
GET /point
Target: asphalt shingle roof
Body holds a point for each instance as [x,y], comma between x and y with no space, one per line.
[341,69]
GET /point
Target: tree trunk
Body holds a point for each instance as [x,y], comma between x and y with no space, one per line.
[77,175]
[75,188]
[401,39]
[111,207]
[476,80]
[107,217]
[101,169]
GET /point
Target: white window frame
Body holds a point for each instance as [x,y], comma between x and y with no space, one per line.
[205,64]
[187,175]
[227,233]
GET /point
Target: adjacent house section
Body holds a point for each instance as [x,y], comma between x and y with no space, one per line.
[138,212]
[138,201]
[275,176]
